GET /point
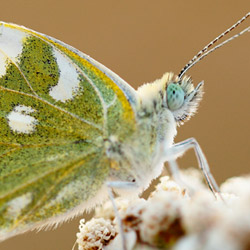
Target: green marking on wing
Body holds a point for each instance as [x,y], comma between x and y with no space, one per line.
[13,79]
[39,66]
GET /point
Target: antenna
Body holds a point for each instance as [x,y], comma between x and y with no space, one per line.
[205,51]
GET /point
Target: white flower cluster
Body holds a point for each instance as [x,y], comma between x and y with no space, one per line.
[95,233]
[177,218]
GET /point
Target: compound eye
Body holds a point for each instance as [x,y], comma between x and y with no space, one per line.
[175,96]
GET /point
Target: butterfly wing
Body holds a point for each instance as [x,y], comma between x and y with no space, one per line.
[57,107]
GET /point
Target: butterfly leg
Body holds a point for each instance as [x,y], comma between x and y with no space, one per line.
[119,185]
[174,170]
[179,148]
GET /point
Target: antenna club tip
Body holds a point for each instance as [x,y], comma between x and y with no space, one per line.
[201,83]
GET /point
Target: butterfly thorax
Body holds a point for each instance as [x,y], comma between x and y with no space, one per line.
[138,158]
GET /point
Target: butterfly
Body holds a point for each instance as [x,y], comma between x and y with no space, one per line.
[69,125]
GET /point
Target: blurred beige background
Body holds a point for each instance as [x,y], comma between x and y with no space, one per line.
[140,40]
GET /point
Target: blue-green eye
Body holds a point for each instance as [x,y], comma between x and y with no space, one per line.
[175,96]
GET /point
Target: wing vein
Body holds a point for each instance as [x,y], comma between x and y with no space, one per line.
[52,105]
[22,168]
[34,180]
[20,71]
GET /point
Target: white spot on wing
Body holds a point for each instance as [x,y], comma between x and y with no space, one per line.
[68,83]
[56,157]
[20,121]
[68,190]
[16,205]
[11,42]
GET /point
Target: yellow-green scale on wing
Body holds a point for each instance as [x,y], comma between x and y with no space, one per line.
[59,161]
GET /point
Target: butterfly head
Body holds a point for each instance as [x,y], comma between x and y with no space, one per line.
[171,93]
[182,98]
